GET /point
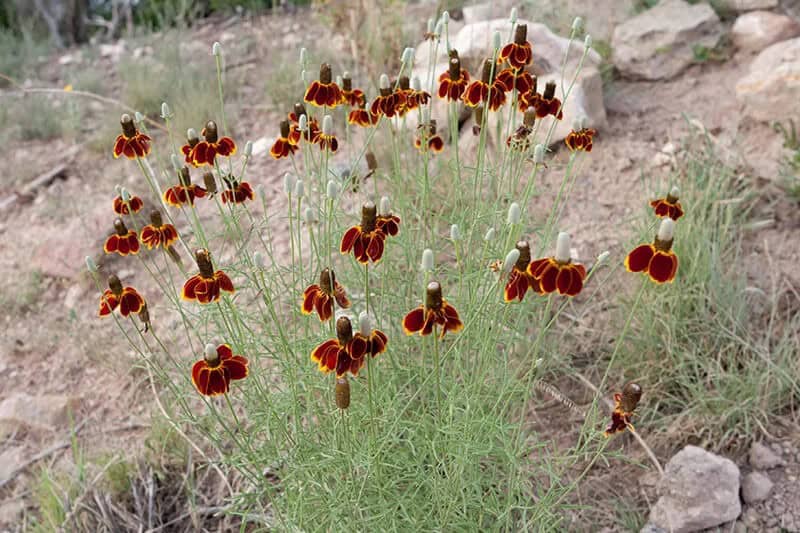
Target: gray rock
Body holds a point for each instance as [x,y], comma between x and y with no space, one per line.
[771,90]
[658,43]
[10,511]
[756,30]
[10,460]
[38,413]
[650,528]
[477,13]
[746,5]
[699,490]
[756,487]
[763,458]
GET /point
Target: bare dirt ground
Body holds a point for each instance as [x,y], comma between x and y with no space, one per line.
[52,345]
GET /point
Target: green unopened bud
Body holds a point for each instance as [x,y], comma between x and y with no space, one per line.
[177,162]
[455,233]
[364,324]
[304,77]
[538,154]
[302,123]
[408,55]
[514,213]
[431,25]
[299,189]
[327,125]
[258,260]
[384,208]
[563,244]
[216,49]
[445,18]
[512,18]
[427,260]
[511,259]
[489,235]
[332,191]
[138,118]
[587,41]
[309,215]
[577,24]
[248,148]
[497,40]
[602,258]
[384,82]
[438,29]
[91,266]
[288,183]
[303,56]
[125,195]
[166,112]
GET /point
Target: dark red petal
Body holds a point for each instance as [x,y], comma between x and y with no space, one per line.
[309,296]
[662,267]
[414,320]
[564,279]
[200,375]
[548,278]
[349,239]
[217,382]
[237,367]
[639,258]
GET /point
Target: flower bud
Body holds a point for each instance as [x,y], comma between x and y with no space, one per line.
[166,112]
[177,162]
[117,189]
[372,161]
[514,213]
[384,82]
[577,24]
[538,154]
[304,77]
[364,323]
[327,125]
[631,394]
[445,18]
[299,189]
[342,392]
[455,233]
[489,235]
[408,55]
[138,117]
[333,190]
[511,259]
[666,231]
[288,183]
[126,196]
[339,81]
[302,123]
[563,243]
[512,18]
[261,191]
[309,215]
[385,206]
[587,41]
[437,31]
[416,84]
[602,258]
[427,260]
[497,40]
[91,266]
[303,56]
[258,260]
[248,148]
[216,49]
[431,25]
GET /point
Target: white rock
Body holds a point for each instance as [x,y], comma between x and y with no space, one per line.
[67,59]
[660,159]
[763,458]
[477,13]
[746,5]
[699,490]
[113,51]
[262,146]
[658,43]
[756,30]
[47,412]
[771,90]
[10,460]
[755,487]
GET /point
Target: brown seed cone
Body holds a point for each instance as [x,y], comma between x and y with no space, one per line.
[631,394]
[342,393]
[433,296]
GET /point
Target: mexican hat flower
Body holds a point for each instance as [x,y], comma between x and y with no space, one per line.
[361,116]
[134,204]
[544,104]
[320,297]
[343,354]
[213,373]
[184,192]
[123,241]
[519,279]
[388,102]
[283,146]
[327,140]
[521,80]
[518,53]
[237,192]
[669,206]
[157,233]
[427,139]
[350,96]
[580,139]
[205,286]
[324,92]
[453,83]
[488,89]
[520,140]
[435,311]
[412,96]
[366,240]
[376,339]
[127,299]
[131,143]
[559,273]
[657,260]
[206,151]
[624,405]
[387,222]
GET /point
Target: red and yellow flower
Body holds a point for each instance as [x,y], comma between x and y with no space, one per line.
[412,97]
[362,117]
[559,273]
[388,223]
[237,192]
[213,373]
[324,92]
[157,233]
[185,192]
[283,146]
[488,89]
[657,260]
[123,241]
[519,279]
[327,140]
[350,96]
[580,139]
[366,240]
[436,310]
[388,103]
[624,406]
[205,286]
[127,299]
[133,205]
[191,141]
[312,131]
[206,151]
[521,80]
[131,143]
[320,297]
[669,206]
[427,139]
[544,104]
[520,140]
[343,354]
[453,83]
[518,53]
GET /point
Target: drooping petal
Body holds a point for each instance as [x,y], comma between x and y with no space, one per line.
[414,320]
[190,287]
[309,298]
[377,342]
[452,320]
[237,367]
[639,258]
[349,239]
[563,279]
[130,302]
[549,278]
[217,382]
[578,275]
[200,376]
[663,266]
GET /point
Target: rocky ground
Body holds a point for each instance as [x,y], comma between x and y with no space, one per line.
[676,68]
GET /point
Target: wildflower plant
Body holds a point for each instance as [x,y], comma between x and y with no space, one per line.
[355,412]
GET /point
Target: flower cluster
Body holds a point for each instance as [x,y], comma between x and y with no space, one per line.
[657,259]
